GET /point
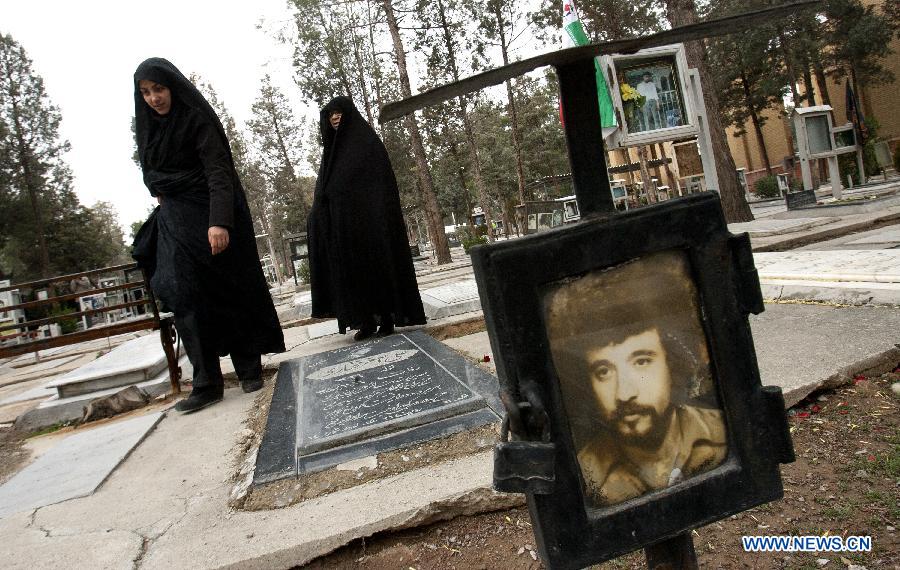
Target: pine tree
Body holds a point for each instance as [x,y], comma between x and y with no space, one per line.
[31,146]
[425,183]
[734,202]
[276,138]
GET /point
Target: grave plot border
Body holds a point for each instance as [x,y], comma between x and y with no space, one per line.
[274,462]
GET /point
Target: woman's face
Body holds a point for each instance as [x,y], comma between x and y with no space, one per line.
[335,119]
[157,96]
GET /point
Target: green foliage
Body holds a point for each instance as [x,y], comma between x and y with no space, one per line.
[44,229]
[66,325]
[847,162]
[897,157]
[603,19]
[766,187]
[303,271]
[469,237]
[858,37]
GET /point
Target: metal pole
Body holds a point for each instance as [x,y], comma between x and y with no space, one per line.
[677,553]
[584,136]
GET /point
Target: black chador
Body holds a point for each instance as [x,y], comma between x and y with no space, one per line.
[221,302]
[361,270]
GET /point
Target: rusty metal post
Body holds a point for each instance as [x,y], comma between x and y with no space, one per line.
[167,335]
[677,553]
[584,136]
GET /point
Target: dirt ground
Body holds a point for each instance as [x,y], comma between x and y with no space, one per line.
[845,481]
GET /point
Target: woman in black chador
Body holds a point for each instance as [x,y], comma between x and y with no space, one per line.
[361,269]
[199,245]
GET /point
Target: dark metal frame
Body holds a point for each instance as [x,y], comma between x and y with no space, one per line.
[511,277]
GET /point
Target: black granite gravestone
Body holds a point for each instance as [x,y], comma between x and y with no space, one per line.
[795,200]
[369,398]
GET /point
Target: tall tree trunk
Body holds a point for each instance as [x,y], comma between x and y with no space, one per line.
[268,231]
[510,96]
[734,203]
[31,187]
[360,70]
[788,62]
[483,197]
[757,127]
[820,79]
[429,198]
[808,83]
[645,175]
[376,69]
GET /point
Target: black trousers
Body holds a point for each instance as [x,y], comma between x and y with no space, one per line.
[205,359]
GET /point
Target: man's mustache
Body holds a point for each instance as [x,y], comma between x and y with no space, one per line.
[631,409]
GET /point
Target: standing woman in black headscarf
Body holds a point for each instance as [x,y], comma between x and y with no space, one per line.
[361,269]
[199,243]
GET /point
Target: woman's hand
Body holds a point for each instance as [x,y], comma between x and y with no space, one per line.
[218,239]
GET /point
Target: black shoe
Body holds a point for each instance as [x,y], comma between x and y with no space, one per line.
[364,333]
[251,385]
[385,330]
[199,399]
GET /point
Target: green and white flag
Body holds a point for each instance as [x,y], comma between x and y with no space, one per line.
[573,35]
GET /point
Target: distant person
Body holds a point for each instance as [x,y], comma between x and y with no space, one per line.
[650,110]
[199,243]
[361,268]
[632,373]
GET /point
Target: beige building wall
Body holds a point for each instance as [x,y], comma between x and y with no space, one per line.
[882,102]
[745,149]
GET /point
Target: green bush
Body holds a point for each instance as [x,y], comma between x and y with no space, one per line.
[847,162]
[766,187]
[469,236]
[303,271]
[897,157]
[66,326]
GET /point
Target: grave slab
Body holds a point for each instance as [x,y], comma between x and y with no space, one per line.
[877,266]
[75,467]
[773,227]
[55,410]
[367,398]
[303,305]
[135,361]
[884,236]
[318,330]
[451,299]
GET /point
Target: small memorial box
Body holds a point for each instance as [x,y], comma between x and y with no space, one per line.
[628,372]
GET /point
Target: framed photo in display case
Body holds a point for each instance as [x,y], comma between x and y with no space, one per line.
[631,347]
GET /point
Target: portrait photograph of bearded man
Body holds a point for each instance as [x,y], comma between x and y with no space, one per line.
[631,357]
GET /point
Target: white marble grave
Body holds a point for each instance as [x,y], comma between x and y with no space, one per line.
[884,236]
[135,361]
[451,299]
[868,265]
[75,467]
[303,305]
[773,226]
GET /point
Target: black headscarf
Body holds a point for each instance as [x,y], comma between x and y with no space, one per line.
[360,263]
[148,122]
[186,158]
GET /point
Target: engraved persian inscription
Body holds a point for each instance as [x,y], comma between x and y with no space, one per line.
[377,388]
